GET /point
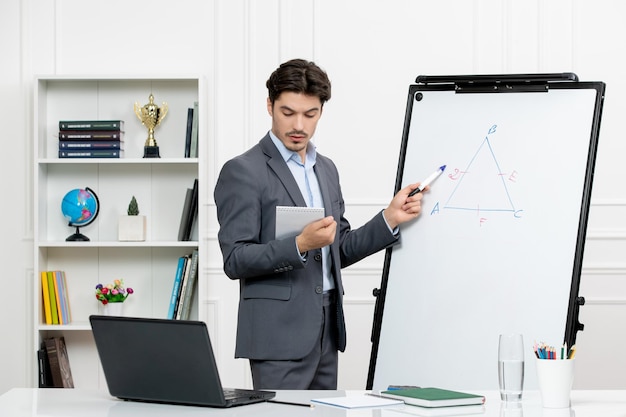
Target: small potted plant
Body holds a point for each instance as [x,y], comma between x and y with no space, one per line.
[132,227]
[112,297]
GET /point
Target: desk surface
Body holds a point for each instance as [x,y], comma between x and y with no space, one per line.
[22,402]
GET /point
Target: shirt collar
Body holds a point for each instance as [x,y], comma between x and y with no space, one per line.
[311,153]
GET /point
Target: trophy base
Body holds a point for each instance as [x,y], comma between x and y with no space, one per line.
[151,152]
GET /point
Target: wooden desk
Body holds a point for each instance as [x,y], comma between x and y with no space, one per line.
[32,402]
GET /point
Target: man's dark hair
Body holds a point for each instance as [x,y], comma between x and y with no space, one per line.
[299,76]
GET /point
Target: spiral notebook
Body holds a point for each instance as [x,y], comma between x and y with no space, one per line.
[291,220]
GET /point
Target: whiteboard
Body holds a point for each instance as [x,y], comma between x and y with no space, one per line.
[496,249]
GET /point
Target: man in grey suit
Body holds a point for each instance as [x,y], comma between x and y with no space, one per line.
[291,323]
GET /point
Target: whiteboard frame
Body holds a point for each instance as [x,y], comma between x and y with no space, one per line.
[499,84]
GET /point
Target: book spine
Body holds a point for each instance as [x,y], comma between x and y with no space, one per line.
[53,359]
[183,288]
[61,296]
[90,144]
[190,285]
[67,297]
[99,153]
[91,125]
[45,375]
[52,296]
[176,287]
[40,364]
[64,363]
[184,217]
[188,132]
[91,135]
[58,298]
[45,296]
[193,211]
[193,149]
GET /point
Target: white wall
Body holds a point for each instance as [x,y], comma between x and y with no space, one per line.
[372,50]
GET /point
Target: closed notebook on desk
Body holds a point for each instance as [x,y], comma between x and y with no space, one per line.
[434,397]
[163,361]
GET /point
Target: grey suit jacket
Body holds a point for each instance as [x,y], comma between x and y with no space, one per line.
[280,306]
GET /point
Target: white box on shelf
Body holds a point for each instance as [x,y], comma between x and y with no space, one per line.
[132,228]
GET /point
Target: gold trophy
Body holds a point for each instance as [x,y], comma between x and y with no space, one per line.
[151,116]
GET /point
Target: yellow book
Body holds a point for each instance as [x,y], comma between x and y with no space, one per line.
[53,298]
[45,295]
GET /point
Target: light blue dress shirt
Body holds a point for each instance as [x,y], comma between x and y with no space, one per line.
[310,189]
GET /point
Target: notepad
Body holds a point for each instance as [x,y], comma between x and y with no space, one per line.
[463,410]
[434,397]
[291,220]
[357,401]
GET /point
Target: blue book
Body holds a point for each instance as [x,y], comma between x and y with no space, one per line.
[176,288]
[61,296]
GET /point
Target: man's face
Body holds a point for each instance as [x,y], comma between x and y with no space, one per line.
[294,119]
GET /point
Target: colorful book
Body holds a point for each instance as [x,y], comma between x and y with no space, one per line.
[67,297]
[58,298]
[91,135]
[61,297]
[91,125]
[434,397]
[180,269]
[190,285]
[94,153]
[91,144]
[45,296]
[53,298]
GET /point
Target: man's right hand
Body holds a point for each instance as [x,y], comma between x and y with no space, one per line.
[317,234]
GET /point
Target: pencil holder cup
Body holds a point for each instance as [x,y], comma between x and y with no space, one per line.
[555,378]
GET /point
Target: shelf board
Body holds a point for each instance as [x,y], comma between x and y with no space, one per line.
[117,244]
[78,325]
[157,161]
[119,78]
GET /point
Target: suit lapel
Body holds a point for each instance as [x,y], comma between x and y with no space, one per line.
[320,172]
[277,164]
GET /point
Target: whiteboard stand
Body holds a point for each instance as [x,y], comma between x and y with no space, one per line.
[499,245]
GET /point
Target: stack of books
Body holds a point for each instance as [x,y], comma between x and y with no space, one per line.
[54,364]
[91,139]
[185,281]
[56,305]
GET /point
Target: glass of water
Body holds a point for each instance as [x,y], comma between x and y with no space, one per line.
[511,366]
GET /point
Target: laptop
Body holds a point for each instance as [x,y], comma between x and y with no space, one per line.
[164,361]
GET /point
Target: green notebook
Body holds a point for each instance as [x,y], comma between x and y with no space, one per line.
[434,397]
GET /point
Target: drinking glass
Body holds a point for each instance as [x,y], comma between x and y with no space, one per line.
[511,366]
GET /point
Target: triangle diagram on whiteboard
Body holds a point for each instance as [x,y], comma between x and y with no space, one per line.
[481,186]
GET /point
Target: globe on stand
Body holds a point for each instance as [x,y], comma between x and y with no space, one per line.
[80,207]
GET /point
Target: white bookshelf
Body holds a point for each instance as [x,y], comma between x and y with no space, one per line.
[159,185]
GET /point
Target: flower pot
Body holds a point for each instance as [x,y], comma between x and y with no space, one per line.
[113,309]
[132,228]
